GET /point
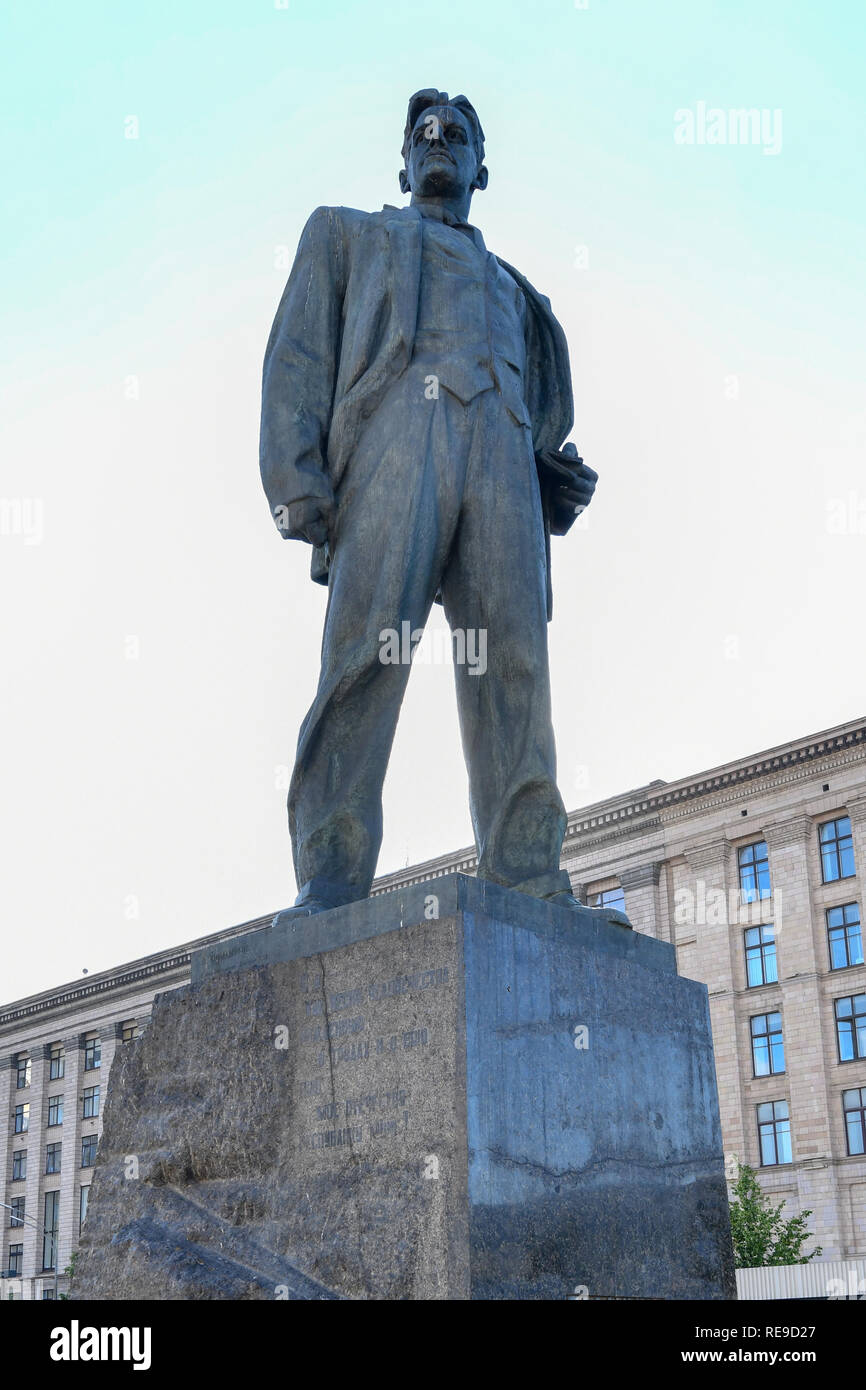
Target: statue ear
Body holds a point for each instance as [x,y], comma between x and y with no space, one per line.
[404,181]
[481,178]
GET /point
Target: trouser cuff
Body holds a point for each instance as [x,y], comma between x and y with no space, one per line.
[325,890]
[545,885]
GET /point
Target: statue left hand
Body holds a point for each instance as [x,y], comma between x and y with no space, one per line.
[571,480]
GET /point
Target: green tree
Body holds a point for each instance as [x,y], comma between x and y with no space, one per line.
[69,1271]
[761,1235]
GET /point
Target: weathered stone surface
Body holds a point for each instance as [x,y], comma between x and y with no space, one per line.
[403,1113]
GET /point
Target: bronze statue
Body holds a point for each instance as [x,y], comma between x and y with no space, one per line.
[416,397]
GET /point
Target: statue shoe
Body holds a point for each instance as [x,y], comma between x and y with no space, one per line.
[605,914]
[310,907]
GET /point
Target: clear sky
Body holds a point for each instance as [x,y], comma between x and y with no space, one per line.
[160,643]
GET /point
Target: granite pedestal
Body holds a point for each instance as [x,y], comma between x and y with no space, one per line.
[453,1091]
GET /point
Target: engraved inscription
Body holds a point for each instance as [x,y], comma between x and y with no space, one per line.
[339,1037]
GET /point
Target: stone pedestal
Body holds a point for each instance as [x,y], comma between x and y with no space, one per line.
[452,1091]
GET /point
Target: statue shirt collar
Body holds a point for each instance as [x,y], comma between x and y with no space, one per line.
[440,214]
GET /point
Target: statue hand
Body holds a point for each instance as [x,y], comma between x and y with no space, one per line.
[311,519]
[573,481]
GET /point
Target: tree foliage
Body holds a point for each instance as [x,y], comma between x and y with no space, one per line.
[761,1235]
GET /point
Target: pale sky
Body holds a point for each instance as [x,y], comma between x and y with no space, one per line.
[161,642]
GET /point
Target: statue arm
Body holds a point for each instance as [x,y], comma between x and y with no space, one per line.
[300,372]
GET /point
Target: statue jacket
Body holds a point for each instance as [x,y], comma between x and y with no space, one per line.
[344,331]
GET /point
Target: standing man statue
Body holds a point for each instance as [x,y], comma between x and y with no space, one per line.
[416,394]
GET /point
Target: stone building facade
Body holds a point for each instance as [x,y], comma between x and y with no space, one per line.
[56,1051]
[752,870]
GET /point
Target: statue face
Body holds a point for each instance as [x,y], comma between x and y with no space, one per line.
[443,160]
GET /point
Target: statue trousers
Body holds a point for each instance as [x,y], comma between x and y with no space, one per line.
[437,497]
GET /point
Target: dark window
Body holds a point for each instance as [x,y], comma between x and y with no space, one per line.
[851,1027]
[18,1212]
[92,1054]
[754,868]
[82,1206]
[57,1062]
[129,1031]
[52,1158]
[846,941]
[837,849]
[50,1226]
[774,1133]
[55,1110]
[16,1260]
[854,1109]
[19,1165]
[22,1118]
[88,1150]
[47,1295]
[91,1103]
[610,897]
[768,1048]
[22,1071]
[761,967]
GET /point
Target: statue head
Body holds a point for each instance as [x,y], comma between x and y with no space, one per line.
[443,147]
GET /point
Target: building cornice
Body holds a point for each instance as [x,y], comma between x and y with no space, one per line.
[122,978]
[718,786]
[462,861]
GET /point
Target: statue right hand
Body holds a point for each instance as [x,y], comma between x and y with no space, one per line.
[311,519]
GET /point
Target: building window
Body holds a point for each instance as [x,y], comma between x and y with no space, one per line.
[846,941]
[82,1206]
[22,1071]
[768,1049]
[19,1165]
[837,849]
[854,1109]
[609,897]
[57,1062]
[754,866]
[50,1227]
[851,1027]
[92,1052]
[22,1118]
[16,1261]
[129,1031]
[18,1211]
[47,1295]
[761,967]
[52,1158]
[774,1133]
[55,1110]
[88,1150]
[90,1109]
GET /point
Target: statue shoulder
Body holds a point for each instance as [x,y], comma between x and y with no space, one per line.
[534,296]
[330,238]
[329,219]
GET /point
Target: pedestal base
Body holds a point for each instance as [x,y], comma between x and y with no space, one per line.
[449,1092]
